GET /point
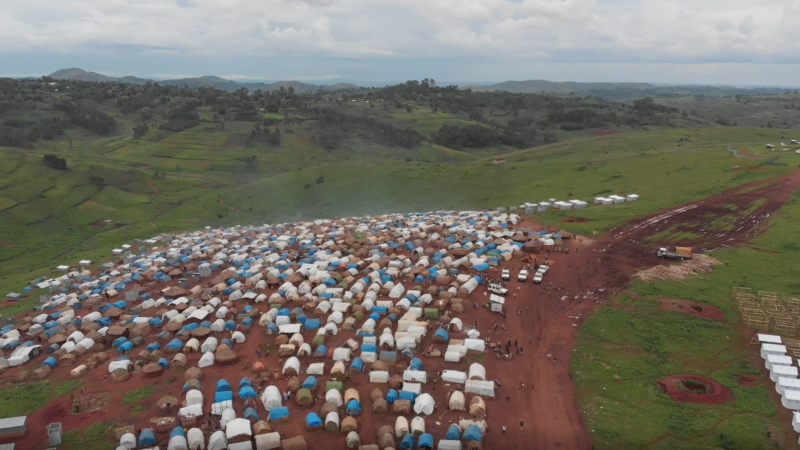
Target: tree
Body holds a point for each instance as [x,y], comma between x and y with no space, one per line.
[320,179]
[54,162]
[69,141]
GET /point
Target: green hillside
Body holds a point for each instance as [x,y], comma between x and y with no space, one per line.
[143,160]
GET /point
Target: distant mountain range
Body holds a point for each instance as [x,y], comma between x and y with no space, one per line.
[620,90]
[205,81]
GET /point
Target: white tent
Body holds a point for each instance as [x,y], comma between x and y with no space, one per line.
[451,356]
[772,349]
[271,398]
[114,365]
[791,400]
[178,442]
[341,354]
[778,371]
[238,427]
[424,404]
[419,376]
[483,388]
[316,369]
[217,441]
[449,444]
[206,360]
[777,359]
[475,344]
[335,397]
[454,376]
[218,325]
[332,416]
[228,415]
[401,426]
[268,441]
[477,372]
[379,376]
[195,439]
[238,337]
[456,401]
[192,344]
[209,345]
[291,363]
[415,388]
[128,440]
[785,383]
[796,421]
[191,411]
[418,425]
[194,397]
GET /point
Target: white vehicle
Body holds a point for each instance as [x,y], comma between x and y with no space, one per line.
[523,275]
[543,268]
[497,289]
[538,277]
[506,274]
[797,151]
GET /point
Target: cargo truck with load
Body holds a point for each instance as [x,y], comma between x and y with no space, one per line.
[675,252]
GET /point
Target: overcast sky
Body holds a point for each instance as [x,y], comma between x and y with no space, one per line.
[744,42]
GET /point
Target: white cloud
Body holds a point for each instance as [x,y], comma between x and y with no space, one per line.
[553,30]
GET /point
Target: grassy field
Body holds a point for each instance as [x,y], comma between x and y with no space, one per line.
[96,436]
[625,347]
[138,395]
[23,399]
[46,216]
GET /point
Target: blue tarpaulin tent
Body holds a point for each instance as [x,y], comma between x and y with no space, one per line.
[163,362]
[313,420]
[453,433]
[370,348]
[251,414]
[177,431]
[357,364]
[425,441]
[442,334]
[126,347]
[245,381]
[153,346]
[473,433]
[405,395]
[50,361]
[230,325]
[408,442]
[353,408]
[247,392]
[416,364]
[147,437]
[223,385]
[119,341]
[175,344]
[310,382]
[223,396]
[391,396]
[278,413]
[311,324]
[155,321]
[321,352]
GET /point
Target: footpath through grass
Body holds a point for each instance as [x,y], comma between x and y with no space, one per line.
[626,346]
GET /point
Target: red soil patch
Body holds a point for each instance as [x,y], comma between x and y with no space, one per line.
[603,132]
[744,151]
[695,389]
[303,138]
[692,308]
[746,380]
[575,219]
[152,186]
[758,168]
[100,223]
[142,165]
[6,244]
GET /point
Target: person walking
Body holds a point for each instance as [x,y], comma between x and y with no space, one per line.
[504,429]
[521,423]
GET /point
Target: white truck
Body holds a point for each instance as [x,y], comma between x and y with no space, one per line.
[497,289]
[506,275]
[537,278]
[675,252]
[523,275]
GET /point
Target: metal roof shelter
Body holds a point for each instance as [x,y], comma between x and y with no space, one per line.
[6,446]
[13,426]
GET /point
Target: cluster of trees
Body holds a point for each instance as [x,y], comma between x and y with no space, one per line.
[331,120]
[24,132]
[87,116]
[479,136]
[140,130]
[261,134]
[54,162]
[250,162]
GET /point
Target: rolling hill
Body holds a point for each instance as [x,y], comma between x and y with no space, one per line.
[195,82]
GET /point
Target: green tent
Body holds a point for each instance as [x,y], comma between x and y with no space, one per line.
[431,313]
[338,385]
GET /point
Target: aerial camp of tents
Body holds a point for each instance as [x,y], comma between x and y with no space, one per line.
[385,279]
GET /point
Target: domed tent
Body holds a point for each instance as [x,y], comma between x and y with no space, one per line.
[353,441]
[473,433]
[477,408]
[424,404]
[332,421]
[218,441]
[453,433]
[456,401]
[313,422]
[353,408]
[380,406]
[417,426]
[147,438]
[407,443]
[195,439]
[401,426]
[349,424]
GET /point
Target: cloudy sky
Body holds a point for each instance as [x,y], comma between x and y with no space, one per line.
[743,42]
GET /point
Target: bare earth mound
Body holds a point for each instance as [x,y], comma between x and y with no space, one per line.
[692,308]
[695,389]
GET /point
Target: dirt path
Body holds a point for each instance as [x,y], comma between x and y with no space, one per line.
[222,202]
[6,244]
[153,186]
